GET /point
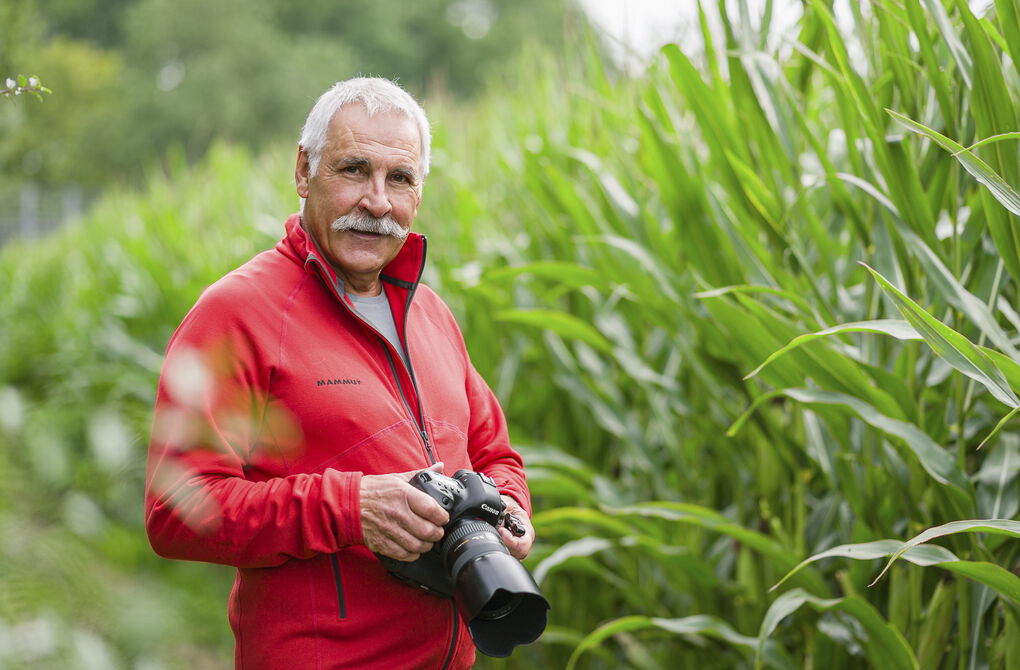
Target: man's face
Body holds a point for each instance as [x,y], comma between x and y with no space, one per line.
[368,170]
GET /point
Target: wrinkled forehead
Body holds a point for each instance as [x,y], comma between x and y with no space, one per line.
[392,127]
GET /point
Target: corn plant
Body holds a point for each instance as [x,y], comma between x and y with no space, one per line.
[732,242]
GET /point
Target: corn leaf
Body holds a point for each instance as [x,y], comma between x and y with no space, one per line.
[995,577]
[563,272]
[933,65]
[981,171]
[748,288]
[1010,369]
[1008,13]
[886,646]
[960,54]
[994,526]
[580,548]
[999,426]
[990,140]
[949,345]
[696,625]
[576,516]
[829,368]
[897,328]
[706,518]
[563,324]
[935,460]
[867,551]
[956,295]
[1004,231]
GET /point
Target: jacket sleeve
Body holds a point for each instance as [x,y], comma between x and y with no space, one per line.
[489,442]
[212,411]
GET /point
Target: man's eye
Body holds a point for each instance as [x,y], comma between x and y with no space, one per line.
[400,178]
[351,169]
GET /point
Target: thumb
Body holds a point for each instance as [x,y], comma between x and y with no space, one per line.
[409,475]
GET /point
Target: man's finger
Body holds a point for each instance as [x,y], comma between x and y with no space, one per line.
[397,551]
[409,475]
[426,507]
[409,542]
[419,524]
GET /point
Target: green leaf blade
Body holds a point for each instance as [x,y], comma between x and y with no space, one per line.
[563,324]
[949,345]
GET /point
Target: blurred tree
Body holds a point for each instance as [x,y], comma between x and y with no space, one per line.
[95,21]
[50,143]
[450,42]
[21,31]
[216,70]
[138,77]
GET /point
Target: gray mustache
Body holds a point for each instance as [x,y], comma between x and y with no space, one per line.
[366,223]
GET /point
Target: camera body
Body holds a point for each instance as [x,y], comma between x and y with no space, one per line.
[494,592]
[467,496]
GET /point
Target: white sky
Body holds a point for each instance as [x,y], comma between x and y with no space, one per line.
[641,27]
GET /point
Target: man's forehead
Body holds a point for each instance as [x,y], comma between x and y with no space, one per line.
[353,122]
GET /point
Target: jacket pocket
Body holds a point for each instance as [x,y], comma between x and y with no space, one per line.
[341,605]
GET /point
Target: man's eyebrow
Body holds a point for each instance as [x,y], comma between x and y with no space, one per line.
[346,161]
[360,161]
[411,175]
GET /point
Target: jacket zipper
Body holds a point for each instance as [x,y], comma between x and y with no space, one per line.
[432,461]
[421,426]
[403,397]
[410,368]
[418,422]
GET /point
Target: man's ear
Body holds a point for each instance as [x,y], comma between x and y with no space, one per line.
[302,173]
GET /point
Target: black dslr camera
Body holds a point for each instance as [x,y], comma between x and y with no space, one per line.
[495,594]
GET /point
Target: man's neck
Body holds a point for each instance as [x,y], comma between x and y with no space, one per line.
[362,286]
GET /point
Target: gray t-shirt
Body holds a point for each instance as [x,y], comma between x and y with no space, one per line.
[376,310]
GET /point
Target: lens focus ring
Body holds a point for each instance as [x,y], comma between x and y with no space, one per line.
[467,541]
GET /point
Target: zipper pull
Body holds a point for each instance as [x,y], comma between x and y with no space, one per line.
[428,446]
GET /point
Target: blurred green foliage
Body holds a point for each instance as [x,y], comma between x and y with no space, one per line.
[138,77]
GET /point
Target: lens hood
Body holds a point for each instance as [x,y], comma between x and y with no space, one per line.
[501,603]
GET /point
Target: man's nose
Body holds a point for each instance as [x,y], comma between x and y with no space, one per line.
[375,200]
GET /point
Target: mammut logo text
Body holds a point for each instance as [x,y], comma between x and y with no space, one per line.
[337,382]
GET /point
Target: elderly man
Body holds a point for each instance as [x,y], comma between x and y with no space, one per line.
[301,393]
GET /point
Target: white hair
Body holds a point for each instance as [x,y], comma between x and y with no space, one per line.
[377,95]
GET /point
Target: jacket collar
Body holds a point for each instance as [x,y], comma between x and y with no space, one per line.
[404,271]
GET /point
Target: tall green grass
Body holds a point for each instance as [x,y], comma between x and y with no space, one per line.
[686,260]
[86,315]
[750,316]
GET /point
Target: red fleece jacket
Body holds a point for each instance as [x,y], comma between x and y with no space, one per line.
[275,398]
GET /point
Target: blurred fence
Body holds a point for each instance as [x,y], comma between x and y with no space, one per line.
[29,210]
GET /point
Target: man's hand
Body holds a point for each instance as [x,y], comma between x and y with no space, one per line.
[519,547]
[398,520]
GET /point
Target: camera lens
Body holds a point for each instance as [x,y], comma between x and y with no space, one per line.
[500,605]
[496,594]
